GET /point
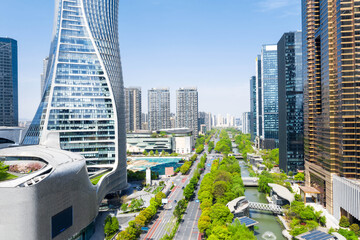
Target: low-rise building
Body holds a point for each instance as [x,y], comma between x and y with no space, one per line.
[179,140]
[346,198]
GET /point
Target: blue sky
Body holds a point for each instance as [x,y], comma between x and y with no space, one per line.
[210,44]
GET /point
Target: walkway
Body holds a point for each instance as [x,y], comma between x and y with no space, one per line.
[266,207]
[250,181]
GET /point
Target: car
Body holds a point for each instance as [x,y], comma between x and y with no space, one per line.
[197,200]
[183,187]
[175,201]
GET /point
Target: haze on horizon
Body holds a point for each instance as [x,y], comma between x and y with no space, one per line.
[165,43]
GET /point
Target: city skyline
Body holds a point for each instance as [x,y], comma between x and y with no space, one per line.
[171,47]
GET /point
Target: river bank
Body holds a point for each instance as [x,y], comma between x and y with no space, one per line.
[269,227]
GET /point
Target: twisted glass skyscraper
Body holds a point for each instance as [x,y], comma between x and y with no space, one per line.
[83,98]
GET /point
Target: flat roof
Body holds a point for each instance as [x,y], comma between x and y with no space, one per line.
[315,235]
[248,221]
[309,189]
[283,192]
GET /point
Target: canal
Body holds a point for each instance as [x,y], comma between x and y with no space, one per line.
[268,227]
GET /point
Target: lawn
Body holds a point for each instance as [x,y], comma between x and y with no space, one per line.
[6,176]
[95,180]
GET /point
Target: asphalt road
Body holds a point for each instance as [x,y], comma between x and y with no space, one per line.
[165,221]
[188,229]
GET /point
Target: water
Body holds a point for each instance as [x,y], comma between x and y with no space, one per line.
[161,163]
[269,227]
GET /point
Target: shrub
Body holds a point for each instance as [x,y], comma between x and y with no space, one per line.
[355,228]
[344,222]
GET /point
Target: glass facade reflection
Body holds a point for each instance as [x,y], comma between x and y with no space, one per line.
[8,82]
[291,117]
[83,97]
[269,85]
[253,107]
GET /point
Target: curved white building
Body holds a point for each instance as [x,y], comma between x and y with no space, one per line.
[83,97]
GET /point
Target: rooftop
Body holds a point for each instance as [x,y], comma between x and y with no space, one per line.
[315,235]
[282,192]
[309,189]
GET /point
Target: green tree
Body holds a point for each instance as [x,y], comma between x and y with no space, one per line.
[124,207]
[355,228]
[299,176]
[204,223]
[240,232]
[151,153]
[163,153]
[344,222]
[145,153]
[220,214]
[156,153]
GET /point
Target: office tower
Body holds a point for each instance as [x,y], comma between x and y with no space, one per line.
[258,97]
[159,108]
[8,82]
[269,88]
[253,107]
[133,108]
[187,111]
[246,122]
[331,97]
[43,76]
[82,109]
[201,119]
[291,114]
[208,121]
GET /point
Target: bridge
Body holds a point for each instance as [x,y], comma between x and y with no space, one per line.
[250,181]
[266,207]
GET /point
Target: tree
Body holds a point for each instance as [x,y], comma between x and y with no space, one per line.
[156,153]
[290,173]
[299,176]
[151,153]
[163,153]
[344,222]
[145,153]
[220,214]
[114,225]
[204,223]
[124,207]
[355,228]
[240,231]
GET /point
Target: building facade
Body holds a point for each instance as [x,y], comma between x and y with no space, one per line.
[269,96]
[331,93]
[187,111]
[258,96]
[83,101]
[42,76]
[253,107]
[159,108]
[133,109]
[246,118]
[291,112]
[8,82]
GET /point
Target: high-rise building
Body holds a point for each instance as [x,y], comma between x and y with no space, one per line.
[269,87]
[201,119]
[8,82]
[258,97]
[187,111]
[331,98]
[159,108]
[253,107]
[208,121]
[43,76]
[82,109]
[291,114]
[133,108]
[246,122]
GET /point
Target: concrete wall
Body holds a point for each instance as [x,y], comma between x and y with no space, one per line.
[26,212]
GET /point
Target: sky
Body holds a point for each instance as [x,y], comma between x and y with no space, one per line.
[208,44]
